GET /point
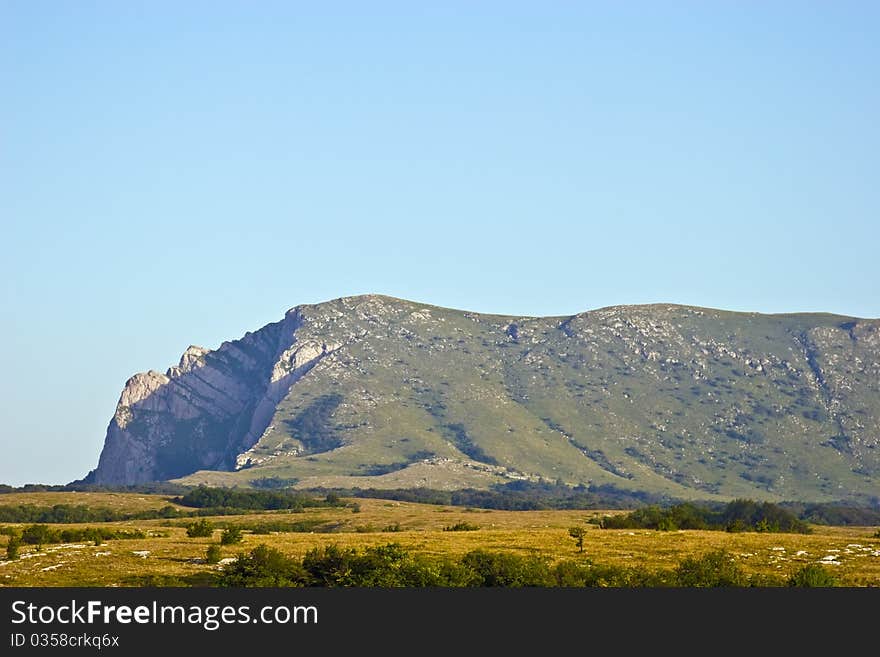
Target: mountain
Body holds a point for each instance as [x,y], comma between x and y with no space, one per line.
[376,391]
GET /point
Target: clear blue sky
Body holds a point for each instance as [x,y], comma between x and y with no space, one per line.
[176,173]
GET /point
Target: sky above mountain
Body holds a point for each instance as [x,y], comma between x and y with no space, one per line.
[176,174]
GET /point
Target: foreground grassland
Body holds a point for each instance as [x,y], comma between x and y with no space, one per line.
[168,556]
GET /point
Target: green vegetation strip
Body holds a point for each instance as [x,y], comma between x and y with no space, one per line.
[739,515]
[393,566]
[45,535]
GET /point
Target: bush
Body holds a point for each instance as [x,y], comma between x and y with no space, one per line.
[37,535]
[12,548]
[263,566]
[200,529]
[212,555]
[812,576]
[710,570]
[501,569]
[231,536]
[383,566]
[578,574]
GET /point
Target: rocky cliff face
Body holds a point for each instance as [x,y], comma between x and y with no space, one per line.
[206,410]
[374,391]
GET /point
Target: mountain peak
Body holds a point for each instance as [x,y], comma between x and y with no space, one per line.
[371,390]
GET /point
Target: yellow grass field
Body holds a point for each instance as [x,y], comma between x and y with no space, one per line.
[852,553]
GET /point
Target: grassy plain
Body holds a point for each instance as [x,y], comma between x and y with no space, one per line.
[168,556]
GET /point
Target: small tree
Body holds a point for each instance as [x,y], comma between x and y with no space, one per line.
[200,529]
[213,554]
[230,536]
[578,533]
[12,548]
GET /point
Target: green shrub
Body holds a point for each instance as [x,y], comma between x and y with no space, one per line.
[12,548]
[38,535]
[231,536]
[212,555]
[383,566]
[502,569]
[579,574]
[710,570]
[200,529]
[812,576]
[263,566]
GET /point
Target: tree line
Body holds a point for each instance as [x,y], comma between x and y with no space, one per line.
[738,515]
[394,566]
[204,497]
[516,496]
[79,513]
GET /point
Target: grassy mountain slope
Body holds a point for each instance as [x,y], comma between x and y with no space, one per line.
[685,401]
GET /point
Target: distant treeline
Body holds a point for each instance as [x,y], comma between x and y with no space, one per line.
[147,488]
[274,525]
[206,502]
[394,566]
[77,513]
[737,516]
[833,513]
[530,496]
[516,496]
[269,494]
[204,497]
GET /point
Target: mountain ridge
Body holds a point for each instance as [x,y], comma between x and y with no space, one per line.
[371,390]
